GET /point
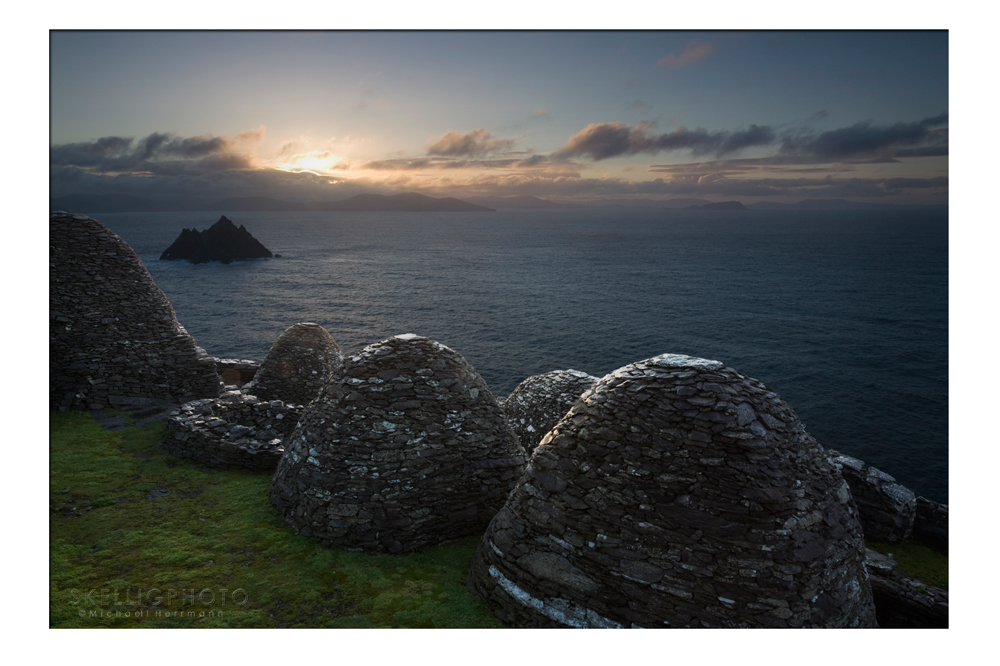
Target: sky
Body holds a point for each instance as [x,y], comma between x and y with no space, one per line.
[569,116]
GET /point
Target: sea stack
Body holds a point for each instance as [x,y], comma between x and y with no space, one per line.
[113,335]
[223,241]
[299,363]
[677,493]
[405,448]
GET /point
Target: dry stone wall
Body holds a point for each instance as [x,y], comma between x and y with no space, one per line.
[887,509]
[404,449]
[677,493]
[537,403]
[299,364]
[113,334]
[234,431]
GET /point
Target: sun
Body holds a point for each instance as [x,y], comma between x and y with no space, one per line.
[317,162]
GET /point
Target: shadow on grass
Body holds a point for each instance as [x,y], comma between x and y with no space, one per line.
[138,538]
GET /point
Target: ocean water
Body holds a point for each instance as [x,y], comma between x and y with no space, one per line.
[844,314]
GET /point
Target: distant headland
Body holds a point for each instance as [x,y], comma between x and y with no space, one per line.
[405,202]
[415,202]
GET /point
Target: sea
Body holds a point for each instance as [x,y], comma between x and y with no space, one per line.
[843,313]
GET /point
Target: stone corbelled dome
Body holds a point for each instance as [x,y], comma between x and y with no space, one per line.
[404,448]
[113,335]
[677,493]
[299,363]
[537,403]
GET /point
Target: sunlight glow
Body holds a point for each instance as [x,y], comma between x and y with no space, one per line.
[316,162]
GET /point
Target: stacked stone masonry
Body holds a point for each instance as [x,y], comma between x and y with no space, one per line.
[537,403]
[112,332]
[300,362]
[404,449]
[235,431]
[677,493]
[887,509]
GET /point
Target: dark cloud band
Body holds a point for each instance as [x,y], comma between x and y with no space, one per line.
[468,144]
[600,141]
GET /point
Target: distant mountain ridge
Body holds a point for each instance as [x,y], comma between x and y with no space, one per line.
[408,201]
[522,203]
[414,202]
[127,203]
[721,205]
[822,204]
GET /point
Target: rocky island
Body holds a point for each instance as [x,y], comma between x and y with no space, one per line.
[223,241]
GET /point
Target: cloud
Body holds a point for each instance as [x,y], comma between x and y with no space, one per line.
[468,144]
[694,52]
[867,140]
[753,166]
[436,162]
[164,166]
[638,106]
[212,186]
[600,141]
[822,114]
[158,153]
[539,114]
[755,135]
[188,186]
[860,142]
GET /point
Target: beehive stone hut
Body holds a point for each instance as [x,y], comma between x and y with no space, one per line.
[404,449]
[537,403]
[299,363]
[677,493]
[113,335]
[234,431]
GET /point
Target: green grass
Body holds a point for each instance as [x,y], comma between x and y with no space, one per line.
[117,543]
[916,561]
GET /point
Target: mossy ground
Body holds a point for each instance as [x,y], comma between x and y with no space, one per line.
[916,561]
[137,525]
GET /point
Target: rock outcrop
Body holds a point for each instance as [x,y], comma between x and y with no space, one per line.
[223,241]
[677,493]
[931,524]
[233,431]
[537,403]
[887,509]
[300,362]
[405,448]
[113,335]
